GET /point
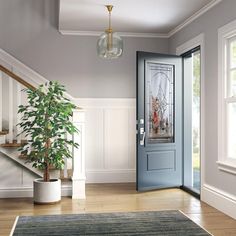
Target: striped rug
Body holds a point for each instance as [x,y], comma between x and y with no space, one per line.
[132,223]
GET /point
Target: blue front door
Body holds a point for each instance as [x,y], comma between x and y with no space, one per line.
[159,121]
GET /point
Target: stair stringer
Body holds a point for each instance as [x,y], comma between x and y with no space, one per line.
[14,154]
[20,69]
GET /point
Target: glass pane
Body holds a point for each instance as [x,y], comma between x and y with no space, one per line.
[233,83]
[196,120]
[233,54]
[232,130]
[159,102]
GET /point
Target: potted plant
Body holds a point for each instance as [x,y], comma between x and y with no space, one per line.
[45,122]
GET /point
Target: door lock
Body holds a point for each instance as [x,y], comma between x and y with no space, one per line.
[142,132]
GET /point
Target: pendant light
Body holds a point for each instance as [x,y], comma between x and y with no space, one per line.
[109,44]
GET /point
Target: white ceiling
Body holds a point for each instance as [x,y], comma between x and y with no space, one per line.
[153,17]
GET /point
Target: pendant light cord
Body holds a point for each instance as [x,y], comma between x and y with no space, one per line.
[109,20]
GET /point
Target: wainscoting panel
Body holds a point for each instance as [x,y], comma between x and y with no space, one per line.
[94,139]
[110,139]
[116,139]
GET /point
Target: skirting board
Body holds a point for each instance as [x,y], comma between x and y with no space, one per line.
[219,199]
[28,192]
[92,176]
[110,176]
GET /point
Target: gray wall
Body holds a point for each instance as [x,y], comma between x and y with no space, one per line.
[208,24]
[28,31]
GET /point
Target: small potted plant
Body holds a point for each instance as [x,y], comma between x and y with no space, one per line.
[45,122]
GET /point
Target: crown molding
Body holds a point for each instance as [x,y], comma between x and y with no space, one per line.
[148,35]
[143,35]
[81,33]
[123,34]
[194,17]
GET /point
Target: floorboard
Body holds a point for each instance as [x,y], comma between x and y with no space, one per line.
[121,198]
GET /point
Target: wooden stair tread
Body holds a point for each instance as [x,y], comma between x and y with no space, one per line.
[4,132]
[14,144]
[11,145]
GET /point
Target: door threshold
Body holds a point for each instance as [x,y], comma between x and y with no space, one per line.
[191,191]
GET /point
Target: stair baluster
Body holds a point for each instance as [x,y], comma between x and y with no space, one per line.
[65,166]
[10,111]
[18,102]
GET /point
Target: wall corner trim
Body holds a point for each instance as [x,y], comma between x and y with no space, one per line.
[219,199]
[194,17]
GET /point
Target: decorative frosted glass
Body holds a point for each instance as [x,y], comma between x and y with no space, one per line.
[110,45]
[159,102]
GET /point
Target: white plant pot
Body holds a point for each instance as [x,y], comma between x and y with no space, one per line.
[47,192]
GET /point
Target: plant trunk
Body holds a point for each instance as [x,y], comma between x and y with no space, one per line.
[46,175]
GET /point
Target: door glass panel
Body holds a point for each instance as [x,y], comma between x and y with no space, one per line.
[196,120]
[192,115]
[159,102]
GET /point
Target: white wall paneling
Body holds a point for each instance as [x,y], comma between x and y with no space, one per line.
[78,178]
[110,139]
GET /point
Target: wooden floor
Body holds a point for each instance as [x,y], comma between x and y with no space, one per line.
[120,198]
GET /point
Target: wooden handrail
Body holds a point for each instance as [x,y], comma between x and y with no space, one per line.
[16,77]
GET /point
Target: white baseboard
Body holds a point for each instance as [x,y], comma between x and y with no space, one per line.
[110,176]
[20,192]
[92,176]
[219,199]
[16,192]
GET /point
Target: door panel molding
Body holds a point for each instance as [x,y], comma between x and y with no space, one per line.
[161,161]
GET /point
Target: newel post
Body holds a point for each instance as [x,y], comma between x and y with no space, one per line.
[78,177]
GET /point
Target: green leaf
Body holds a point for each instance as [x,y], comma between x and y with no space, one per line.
[45,119]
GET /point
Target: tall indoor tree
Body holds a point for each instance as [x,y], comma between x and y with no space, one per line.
[46,121]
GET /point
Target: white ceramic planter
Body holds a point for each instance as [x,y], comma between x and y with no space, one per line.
[47,192]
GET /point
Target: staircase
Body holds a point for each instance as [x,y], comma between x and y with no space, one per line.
[9,139]
[15,76]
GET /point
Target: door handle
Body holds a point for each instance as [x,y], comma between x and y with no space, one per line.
[142,132]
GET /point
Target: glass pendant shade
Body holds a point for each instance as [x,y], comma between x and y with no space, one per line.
[109,45]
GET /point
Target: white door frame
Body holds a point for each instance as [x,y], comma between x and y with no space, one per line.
[185,47]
